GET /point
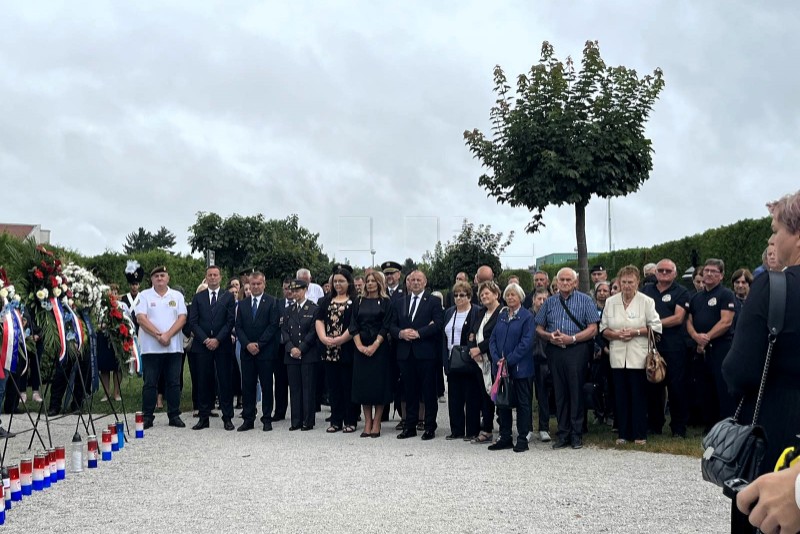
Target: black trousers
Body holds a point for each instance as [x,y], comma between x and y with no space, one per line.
[464,401]
[281,386]
[60,385]
[302,393]
[715,353]
[523,393]
[676,385]
[194,376]
[339,376]
[167,367]
[487,411]
[11,400]
[213,368]
[419,383]
[568,367]
[256,369]
[631,394]
[236,377]
[543,384]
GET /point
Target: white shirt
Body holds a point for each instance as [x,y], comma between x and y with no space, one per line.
[454,328]
[210,292]
[314,292]
[162,311]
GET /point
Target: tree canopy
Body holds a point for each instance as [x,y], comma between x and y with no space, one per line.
[471,248]
[278,247]
[143,240]
[564,136]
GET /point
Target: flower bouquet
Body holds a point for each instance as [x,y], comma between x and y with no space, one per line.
[119,329]
[13,350]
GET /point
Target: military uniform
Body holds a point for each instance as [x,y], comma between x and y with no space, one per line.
[298,331]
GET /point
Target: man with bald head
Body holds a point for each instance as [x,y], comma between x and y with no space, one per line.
[567,321]
[484,274]
[417,321]
[672,301]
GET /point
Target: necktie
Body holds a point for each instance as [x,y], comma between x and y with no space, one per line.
[255,307]
[413,307]
[391,291]
[213,298]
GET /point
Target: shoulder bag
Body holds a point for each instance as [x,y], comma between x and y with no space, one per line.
[459,358]
[501,393]
[654,364]
[733,450]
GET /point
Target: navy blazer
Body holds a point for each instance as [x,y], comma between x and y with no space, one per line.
[262,329]
[298,331]
[428,322]
[513,339]
[206,323]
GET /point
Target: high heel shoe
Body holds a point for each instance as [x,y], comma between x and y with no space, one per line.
[375,435]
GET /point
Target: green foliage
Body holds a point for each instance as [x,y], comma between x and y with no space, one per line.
[184,271]
[525,278]
[565,136]
[738,245]
[142,240]
[278,247]
[473,247]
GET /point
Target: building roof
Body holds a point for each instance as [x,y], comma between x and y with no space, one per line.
[20,231]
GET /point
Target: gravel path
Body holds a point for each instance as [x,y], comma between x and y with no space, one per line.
[179,480]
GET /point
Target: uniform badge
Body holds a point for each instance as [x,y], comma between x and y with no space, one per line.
[173,304]
[713,301]
[152,304]
[666,298]
[731,305]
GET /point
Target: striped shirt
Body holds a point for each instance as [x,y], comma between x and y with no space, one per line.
[552,316]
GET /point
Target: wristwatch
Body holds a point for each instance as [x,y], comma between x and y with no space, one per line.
[574,339]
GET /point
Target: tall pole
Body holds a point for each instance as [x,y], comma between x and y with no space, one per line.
[371,245]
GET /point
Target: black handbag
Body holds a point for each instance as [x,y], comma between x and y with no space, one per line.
[733,450]
[505,387]
[460,360]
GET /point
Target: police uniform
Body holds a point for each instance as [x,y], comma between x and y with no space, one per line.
[398,293]
[672,348]
[298,331]
[706,308]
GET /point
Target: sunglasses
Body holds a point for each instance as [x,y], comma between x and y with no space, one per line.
[460,295]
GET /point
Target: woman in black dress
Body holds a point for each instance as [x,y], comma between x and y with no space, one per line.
[744,364]
[336,348]
[371,366]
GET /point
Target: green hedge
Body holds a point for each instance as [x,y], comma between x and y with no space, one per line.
[738,245]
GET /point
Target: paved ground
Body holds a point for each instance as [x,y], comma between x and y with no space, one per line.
[179,480]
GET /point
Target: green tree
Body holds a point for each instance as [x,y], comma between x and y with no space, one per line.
[143,240]
[471,248]
[278,247]
[565,136]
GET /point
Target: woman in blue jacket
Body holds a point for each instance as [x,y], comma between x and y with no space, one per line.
[512,340]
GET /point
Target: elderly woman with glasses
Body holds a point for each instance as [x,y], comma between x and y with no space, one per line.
[464,382]
[512,342]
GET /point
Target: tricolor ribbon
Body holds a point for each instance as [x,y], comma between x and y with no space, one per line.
[87,319]
[76,324]
[13,339]
[58,313]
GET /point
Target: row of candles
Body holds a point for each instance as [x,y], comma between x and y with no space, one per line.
[41,470]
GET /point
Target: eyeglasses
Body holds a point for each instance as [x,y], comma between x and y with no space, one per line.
[460,295]
[664,271]
[711,271]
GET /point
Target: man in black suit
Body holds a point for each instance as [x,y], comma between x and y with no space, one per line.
[211,318]
[279,367]
[258,332]
[416,326]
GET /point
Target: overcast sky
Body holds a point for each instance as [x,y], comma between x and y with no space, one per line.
[117,115]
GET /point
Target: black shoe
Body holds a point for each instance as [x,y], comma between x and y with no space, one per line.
[278,418]
[177,422]
[428,435]
[238,406]
[148,423]
[501,445]
[52,412]
[247,425]
[400,426]
[293,428]
[577,443]
[421,426]
[521,446]
[227,425]
[561,444]
[6,433]
[267,427]
[451,437]
[328,419]
[306,428]
[405,434]
[201,424]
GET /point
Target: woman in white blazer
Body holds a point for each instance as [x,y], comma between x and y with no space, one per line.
[626,318]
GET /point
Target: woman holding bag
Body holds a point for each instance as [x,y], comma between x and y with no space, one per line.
[627,317]
[481,333]
[512,342]
[463,392]
[742,367]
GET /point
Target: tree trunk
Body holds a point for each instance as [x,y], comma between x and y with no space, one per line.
[583,260]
